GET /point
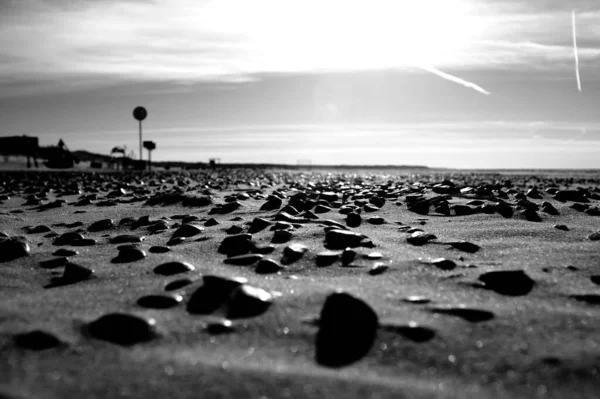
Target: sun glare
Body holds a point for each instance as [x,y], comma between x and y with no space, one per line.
[340,34]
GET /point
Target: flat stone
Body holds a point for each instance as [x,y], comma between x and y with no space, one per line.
[218,327]
[272,204]
[592,299]
[326,258]
[347,330]
[267,266]
[54,263]
[444,264]
[211,222]
[465,246]
[417,299]
[561,227]
[84,242]
[125,238]
[341,239]
[281,236]
[348,256]
[160,301]
[419,238]
[177,284]
[39,229]
[238,244]
[123,329]
[129,254]
[36,340]
[235,229]
[594,236]
[258,224]
[243,260]
[378,268]
[176,241]
[101,225]
[508,282]
[376,220]
[248,301]
[64,252]
[264,249]
[159,249]
[374,255]
[172,268]
[293,252]
[213,293]
[468,314]
[187,230]
[13,248]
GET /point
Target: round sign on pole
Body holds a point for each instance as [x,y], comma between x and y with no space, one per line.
[140,113]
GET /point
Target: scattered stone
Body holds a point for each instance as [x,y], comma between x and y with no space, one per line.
[508,282]
[39,229]
[176,241]
[187,230]
[348,256]
[172,268]
[419,238]
[347,330]
[595,279]
[340,239]
[561,227]
[213,293]
[370,208]
[549,209]
[267,266]
[160,301]
[417,299]
[531,215]
[258,224]
[13,248]
[84,242]
[327,258]
[222,326]
[123,329]
[281,236]
[444,264]
[238,244]
[129,254]
[412,331]
[293,252]
[503,209]
[376,220]
[378,268]
[211,222]
[159,249]
[101,225]
[420,207]
[68,238]
[570,195]
[64,252]
[471,315]
[263,250]
[594,236]
[177,284]
[126,238]
[36,340]
[243,260]
[465,246]
[272,204]
[247,301]
[353,219]
[374,255]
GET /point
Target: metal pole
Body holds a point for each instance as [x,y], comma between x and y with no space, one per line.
[141,141]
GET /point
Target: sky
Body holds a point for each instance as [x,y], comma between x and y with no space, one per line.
[442,83]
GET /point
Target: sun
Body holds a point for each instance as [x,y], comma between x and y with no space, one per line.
[343,34]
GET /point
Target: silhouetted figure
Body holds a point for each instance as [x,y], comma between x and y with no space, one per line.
[20,145]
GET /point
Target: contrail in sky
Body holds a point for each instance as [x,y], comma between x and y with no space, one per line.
[575,51]
[454,79]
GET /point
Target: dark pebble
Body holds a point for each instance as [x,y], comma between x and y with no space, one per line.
[13,248]
[125,238]
[471,315]
[123,329]
[248,301]
[508,282]
[267,266]
[213,293]
[101,225]
[129,254]
[160,301]
[36,340]
[243,260]
[159,249]
[177,284]
[172,268]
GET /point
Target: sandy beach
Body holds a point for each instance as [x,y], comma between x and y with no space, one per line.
[357,284]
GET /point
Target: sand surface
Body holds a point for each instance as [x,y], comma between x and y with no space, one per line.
[544,343]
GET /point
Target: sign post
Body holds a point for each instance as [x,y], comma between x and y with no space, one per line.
[140,114]
[150,146]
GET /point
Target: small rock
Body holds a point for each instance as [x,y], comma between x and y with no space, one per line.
[508,282]
[264,250]
[213,293]
[444,264]
[247,301]
[258,224]
[172,268]
[160,301]
[347,330]
[327,258]
[129,254]
[376,220]
[293,252]
[353,219]
[592,299]
[561,227]
[419,238]
[125,238]
[503,209]
[54,263]
[374,255]
[211,222]
[531,215]
[412,331]
[123,329]
[348,256]
[340,239]
[281,236]
[594,236]
[187,230]
[417,299]
[74,273]
[176,241]
[159,249]
[272,204]
[39,229]
[222,326]
[236,245]
[595,279]
[13,248]
[36,340]
[378,268]
[465,246]
[64,252]
[101,225]
[243,260]
[267,266]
